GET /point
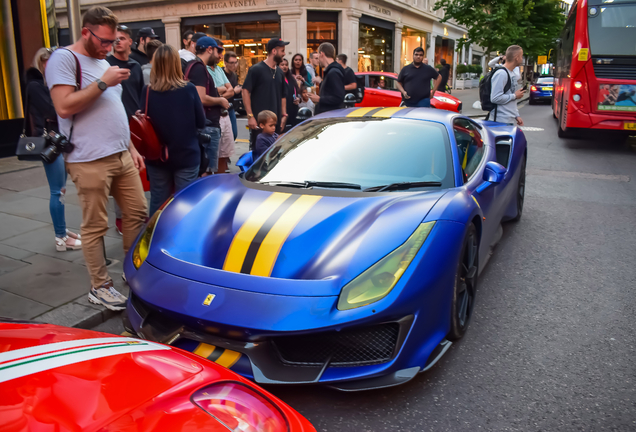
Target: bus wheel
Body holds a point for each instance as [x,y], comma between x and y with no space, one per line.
[553,109]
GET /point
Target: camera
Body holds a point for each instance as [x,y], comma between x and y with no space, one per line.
[204,138]
[57,144]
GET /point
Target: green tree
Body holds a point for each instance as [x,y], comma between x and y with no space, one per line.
[497,24]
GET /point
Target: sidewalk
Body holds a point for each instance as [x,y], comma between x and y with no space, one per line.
[37,282]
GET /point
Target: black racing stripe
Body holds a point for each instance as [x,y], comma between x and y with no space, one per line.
[373,111]
[216,353]
[250,256]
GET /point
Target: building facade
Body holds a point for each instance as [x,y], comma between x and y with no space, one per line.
[376,35]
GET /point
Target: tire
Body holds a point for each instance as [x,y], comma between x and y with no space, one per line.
[521,191]
[553,111]
[465,287]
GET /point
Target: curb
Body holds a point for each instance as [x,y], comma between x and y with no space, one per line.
[78,313]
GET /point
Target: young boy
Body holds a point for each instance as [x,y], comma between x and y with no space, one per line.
[306,102]
[267,122]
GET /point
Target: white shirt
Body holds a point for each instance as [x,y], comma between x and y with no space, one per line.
[187,55]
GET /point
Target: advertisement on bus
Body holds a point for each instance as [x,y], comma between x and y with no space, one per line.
[617,97]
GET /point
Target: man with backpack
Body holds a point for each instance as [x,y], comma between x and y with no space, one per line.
[498,91]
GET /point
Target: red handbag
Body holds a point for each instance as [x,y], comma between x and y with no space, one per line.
[144,137]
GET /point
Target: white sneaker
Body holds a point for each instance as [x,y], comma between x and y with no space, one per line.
[107,295]
[65,243]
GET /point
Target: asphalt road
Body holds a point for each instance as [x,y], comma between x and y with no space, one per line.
[552,342]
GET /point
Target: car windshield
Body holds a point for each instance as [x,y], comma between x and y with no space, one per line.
[612,29]
[545,80]
[368,152]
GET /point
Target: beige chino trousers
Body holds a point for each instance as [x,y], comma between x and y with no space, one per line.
[114,175]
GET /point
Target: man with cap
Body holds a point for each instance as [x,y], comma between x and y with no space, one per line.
[138,53]
[208,52]
[264,89]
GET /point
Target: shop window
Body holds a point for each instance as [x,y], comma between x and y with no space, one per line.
[375,49]
[321,27]
[247,39]
[412,39]
[444,49]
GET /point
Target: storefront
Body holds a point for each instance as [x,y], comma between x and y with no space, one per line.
[245,34]
[375,35]
[412,39]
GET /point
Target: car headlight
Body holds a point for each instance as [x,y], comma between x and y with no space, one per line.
[378,280]
[445,99]
[140,253]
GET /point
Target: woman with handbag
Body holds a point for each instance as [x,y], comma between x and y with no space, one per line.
[175,111]
[39,107]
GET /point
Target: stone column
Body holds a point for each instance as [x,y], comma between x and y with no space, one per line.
[463,59]
[349,36]
[173,31]
[454,68]
[431,51]
[470,55]
[293,28]
[397,47]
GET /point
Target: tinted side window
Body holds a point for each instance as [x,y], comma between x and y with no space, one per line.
[470,146]
[382,82]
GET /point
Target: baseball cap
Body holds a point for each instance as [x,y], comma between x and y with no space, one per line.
[275,43]
[146,32]
[207,42]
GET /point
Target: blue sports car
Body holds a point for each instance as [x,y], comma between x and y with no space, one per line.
[542,89]
[348,254]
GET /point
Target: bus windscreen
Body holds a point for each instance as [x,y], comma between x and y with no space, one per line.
[612,29]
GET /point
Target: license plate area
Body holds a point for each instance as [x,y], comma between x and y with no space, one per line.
[629,126]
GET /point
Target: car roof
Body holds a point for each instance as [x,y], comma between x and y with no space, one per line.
[429,114]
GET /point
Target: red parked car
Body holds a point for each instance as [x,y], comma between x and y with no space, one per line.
[380,90]
[65,379]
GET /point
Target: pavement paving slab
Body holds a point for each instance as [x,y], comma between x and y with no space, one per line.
[10,225]
[18,307]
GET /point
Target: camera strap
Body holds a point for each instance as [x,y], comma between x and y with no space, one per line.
[78,86]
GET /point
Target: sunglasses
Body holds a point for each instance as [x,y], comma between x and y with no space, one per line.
[104,42]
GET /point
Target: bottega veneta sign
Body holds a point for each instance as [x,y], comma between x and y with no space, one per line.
[227,4]
[379,9]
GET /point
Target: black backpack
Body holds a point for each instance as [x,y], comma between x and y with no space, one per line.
[485,88]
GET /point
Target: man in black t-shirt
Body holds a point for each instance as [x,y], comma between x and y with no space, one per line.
[264,89]
[444,73]
[131,88]
[414,81]
[332,89]
[208,52]
[351,84]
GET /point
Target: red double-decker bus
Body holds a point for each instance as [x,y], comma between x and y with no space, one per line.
[595,77]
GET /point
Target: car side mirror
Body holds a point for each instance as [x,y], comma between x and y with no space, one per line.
[494,174]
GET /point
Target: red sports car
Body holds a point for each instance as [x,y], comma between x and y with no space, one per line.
[380,90]
[62,379]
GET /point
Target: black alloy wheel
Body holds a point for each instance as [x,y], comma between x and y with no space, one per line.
[521,190]
[465,285]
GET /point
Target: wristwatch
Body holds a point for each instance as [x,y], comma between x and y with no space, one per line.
[250,115]
[101,85]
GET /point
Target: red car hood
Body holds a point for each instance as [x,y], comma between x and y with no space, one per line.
[54,378]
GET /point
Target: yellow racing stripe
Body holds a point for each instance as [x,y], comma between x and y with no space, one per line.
[245,235]
[228,358]
[273,242]
[204,350]
[360,112]
[387,112]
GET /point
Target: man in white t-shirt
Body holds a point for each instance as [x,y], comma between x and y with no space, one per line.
[104,161]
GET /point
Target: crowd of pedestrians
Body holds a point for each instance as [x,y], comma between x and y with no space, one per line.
[190,100]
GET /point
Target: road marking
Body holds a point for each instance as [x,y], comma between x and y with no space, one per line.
[574,174]
[531,129]
[242,140]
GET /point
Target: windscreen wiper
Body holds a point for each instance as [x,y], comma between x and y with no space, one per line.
[402,186]
[309,184]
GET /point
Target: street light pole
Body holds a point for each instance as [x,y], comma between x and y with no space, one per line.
[74,19]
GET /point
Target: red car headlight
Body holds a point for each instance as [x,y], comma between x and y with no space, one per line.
[240,408]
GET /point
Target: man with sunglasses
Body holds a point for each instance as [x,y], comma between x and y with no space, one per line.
[231,65]
[104,161]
